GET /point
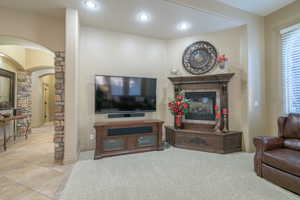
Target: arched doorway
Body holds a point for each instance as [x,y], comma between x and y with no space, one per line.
[56,69]
[39,154]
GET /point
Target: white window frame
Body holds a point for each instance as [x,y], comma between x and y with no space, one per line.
[284,97]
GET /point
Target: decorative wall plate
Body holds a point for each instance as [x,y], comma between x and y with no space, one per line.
[199,58]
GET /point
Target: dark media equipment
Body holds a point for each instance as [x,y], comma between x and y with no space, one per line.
[116,94]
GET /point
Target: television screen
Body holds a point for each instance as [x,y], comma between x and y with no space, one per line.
[115,94]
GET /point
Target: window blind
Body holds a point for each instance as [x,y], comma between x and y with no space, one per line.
[290,39]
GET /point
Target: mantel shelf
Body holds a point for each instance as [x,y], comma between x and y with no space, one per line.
[213,78]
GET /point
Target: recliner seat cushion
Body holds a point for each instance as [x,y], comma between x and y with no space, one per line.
[293,144]
[284,159]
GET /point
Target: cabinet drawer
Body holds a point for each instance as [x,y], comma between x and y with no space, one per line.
[113,144]
[147,140]
[193,140]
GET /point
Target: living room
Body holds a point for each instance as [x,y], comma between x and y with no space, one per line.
[121,68]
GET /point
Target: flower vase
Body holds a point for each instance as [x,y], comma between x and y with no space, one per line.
[224,66]
[178,122]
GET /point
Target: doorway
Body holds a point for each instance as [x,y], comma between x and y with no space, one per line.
[47,84]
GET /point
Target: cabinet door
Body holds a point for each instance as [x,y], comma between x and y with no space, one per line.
[113,144]
[148,140]
[131,142]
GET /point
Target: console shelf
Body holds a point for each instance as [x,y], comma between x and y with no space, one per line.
[123,137]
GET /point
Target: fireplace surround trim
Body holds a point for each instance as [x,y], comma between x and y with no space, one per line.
[218,82]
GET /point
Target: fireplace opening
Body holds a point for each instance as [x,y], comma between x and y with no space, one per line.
[202,106]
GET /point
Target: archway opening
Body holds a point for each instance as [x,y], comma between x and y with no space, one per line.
[33,110]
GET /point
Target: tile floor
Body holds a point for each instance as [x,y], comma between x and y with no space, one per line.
[27,168]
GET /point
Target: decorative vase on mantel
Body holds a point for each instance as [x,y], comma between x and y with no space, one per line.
[223,63]
[178,122]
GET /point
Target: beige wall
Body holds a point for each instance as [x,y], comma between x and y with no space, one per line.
[274,22]
[46,31]
[112,53]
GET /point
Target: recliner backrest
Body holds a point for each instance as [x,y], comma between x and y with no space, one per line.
[292,127]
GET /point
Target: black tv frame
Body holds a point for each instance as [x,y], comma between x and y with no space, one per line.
[123,112]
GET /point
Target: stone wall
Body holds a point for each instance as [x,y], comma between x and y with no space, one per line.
[24,101]
[59,105]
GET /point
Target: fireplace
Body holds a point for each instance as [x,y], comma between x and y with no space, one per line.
[201,131]
[205,92]
[202,105]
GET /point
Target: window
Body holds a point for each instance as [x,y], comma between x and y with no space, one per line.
[290,39]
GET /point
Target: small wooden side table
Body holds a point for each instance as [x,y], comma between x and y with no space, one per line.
[3,124]
[6,121]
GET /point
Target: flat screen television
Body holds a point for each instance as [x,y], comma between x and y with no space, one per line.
[118,94]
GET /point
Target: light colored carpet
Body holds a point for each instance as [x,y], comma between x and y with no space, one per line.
[173,174]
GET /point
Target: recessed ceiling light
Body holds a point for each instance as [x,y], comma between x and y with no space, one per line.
[183,26]
[143,17]
[91,4]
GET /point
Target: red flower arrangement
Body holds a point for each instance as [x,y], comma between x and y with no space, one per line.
[180,106]
[222,59]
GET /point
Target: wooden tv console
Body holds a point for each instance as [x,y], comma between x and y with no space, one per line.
[123,137]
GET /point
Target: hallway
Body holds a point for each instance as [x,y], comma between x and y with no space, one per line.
[27,168]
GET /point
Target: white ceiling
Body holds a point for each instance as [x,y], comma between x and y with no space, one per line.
[259,7]
[120,15]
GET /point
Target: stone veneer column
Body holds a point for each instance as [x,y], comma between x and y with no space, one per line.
[59,105]
[24,101]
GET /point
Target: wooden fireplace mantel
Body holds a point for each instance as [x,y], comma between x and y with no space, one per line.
[201,134]
[214,78]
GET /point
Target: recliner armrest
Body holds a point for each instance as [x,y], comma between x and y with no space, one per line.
[263,144]
[268,143]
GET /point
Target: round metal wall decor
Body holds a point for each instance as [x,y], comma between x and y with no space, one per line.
[199,58]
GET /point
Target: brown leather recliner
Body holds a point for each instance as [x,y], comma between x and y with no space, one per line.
[277,159]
